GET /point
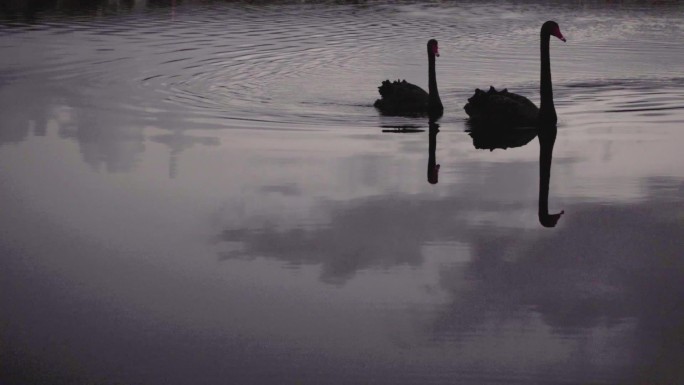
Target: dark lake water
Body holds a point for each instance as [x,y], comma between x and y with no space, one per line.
[201,192]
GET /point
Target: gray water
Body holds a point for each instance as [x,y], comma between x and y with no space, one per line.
[202,193]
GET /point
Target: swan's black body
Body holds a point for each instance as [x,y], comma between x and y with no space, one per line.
[402,98]
[501,109]
[506,109]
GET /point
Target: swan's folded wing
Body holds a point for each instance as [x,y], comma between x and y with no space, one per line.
[401,98]
[501,108]
[522,101]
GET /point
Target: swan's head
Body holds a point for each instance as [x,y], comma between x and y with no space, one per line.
[552,28]
[433,47]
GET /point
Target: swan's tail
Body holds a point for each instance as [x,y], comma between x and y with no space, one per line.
[478,104]
[389,89]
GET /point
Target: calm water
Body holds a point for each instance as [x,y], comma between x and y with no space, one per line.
[202,193]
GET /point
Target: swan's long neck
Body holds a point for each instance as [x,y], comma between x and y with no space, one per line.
[547,111]
[435,103]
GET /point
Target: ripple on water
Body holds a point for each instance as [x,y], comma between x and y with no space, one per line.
[311,65]
[623,103]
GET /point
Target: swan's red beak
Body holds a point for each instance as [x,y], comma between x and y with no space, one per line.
[557,33]
[435,50]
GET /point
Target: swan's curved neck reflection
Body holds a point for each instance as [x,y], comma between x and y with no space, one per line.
[433,167]
[547,138]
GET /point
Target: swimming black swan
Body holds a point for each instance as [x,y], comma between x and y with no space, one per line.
[505,109]
[406,99]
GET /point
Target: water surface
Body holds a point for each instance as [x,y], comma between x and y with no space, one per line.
[202,192]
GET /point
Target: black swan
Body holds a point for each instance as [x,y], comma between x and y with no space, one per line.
[405,99]
[505,109]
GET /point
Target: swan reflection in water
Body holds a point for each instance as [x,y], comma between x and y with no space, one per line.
[516,138]
[547,138]
[491,138]
[433,167]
